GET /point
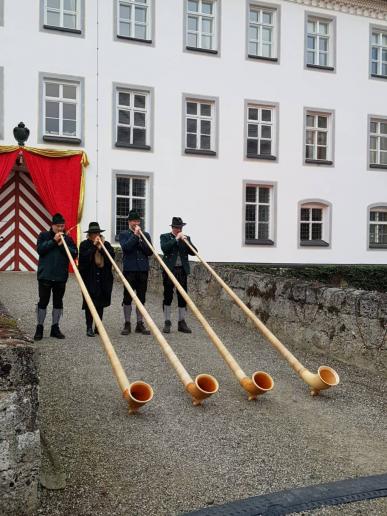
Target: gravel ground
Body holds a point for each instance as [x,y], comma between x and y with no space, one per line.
[173,457]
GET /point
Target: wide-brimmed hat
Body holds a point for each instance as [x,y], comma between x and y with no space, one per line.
[134,215]
[177,222]
[57,219]
[94,228]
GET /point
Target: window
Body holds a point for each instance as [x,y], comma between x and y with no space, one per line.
[318,138]
[200,127]
[314,224]
[201,25]
[378,143]
[63,15]
[134,20]
[132,193]
[378,227]
[379,53]
[261,132]
[61,110]
[1,102]
[262,32]
[1,12]
[259,214]
[319,42]
[133,119]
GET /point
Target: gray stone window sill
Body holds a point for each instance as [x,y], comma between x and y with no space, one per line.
[62,139]
[200,152]
[314,243]
[202,50]
[259,242]
[137,40]
[262,58]
[318,162]
[319,67]
[377,246]
[378,166]
[125,145]
[62,29]
[376,76]
[261,156]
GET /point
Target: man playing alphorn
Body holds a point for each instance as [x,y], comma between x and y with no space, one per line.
[135,263]
[53,273]
[176,258]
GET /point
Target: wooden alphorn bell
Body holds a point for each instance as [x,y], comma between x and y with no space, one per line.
[205,384]
[325,378]
[136,393]
[260,382]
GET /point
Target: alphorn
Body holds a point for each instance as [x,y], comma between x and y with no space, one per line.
[136,393]
[204,385]
[260,382]
[325,377]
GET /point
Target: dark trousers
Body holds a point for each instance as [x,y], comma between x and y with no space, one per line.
[139,283]
[89,317]
[181,277]
[58,289]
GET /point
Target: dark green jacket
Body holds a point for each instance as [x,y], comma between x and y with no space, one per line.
[53,262]
[172,247]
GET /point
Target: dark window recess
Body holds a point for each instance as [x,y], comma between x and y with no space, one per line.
[256,241]
[127,145]
[202,50]
[61,139]
[319,162]
[138,40]
[314,243]
[320,67]
[262,58]
[200,152]
[62,29]
[382,167]
[261,156]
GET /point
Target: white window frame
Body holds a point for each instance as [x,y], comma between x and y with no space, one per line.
[198,117]
[61,100]
[148,6]
[146,221]
[270,240]
[325,223]
[381,48]
[200,15]
[273,108]
[62,12]
[262,9]
[378,135]
[131,109]
[316,130]
[317,36]
[382,208]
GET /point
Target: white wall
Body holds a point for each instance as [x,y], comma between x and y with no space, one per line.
[207,192]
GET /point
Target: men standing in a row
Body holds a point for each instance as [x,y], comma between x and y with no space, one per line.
[52,274]
[135,253]
[96,271]
[176,258]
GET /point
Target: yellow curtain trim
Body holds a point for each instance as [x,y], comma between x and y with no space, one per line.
[8,148]
[49,153]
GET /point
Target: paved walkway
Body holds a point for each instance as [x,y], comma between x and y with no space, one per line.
[172,457]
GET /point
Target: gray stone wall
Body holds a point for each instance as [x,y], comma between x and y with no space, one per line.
[19,434]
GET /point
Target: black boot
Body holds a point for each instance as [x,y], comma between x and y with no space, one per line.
[182,326]
[167,327]
[39,332]
[127,329]
[96,332]
[140,328]
[89,332]
[55,332]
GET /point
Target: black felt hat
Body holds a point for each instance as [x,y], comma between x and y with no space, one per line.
[94,228]
[177,222]
[134,215]
[58,219]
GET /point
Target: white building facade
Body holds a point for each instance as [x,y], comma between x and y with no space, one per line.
[262,124]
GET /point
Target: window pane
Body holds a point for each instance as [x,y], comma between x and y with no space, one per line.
[124,99]
[252,130]
[266,115]
[139,206]
[265,148]
[250,231]
[70,111]
[124,117]
[311,27]
[263,231]
[140,31]
[139,119]
[323,28]
[250,212]
[383,128]
[305,213]
[263,213]
[70,5]
[310,137]
[205,127]
[267,18]
[383,158]
[125,12]
[207,7]
[122,206]
[253,114]
[55,4]
[251,194]
[253,33]
[192,23]
[70,21]
[323,44]
[205,142]
[140,14]
[311,58]
[322,122]
[311,43]
[70,127]
[252,147]
[384,39]
[253,49]
[304,231]
[373,142]
[374,68]
[384,69]
[124,29]
[309,152]
[207,26]
[316,231]
[323,60]
[310,121]
[316,214]
[373,127]
[373,157]
[266,131]
[192,5]
[139,136]
[123,134]
[121,224]
[123,186]
[192,108]
[69,92]
[191,141]
[264,195]
[53,19]
[139,187]
[52,126]
[192,40]
[139,101]
[52,109]
[191,125]
[205,109]
[52,90]
[321,138]
[253,15]
[321,153]
[207,42]
[266,50]
[374,53]
[383,144]
[266,35]
[382,234]
[372,215]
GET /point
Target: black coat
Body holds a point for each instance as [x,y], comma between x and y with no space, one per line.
[98,281]
[172,247]
[135,251]
[53,262]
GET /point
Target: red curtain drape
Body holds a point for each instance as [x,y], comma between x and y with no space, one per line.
[7,161]
[58,183]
